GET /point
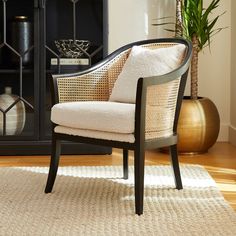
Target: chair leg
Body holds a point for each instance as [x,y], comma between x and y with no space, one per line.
[55,156]
[126,163]
[175,166]
[139,156]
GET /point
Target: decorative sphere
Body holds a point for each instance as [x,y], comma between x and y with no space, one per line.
[15,117]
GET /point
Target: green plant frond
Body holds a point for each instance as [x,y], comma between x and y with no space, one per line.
[212,23]
[200,5]
[208,31]
[212,33]
[222,13]
[196,20]
[216,31]
[209,9]
[199,10]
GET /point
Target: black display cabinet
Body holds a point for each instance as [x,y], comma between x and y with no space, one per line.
[28,30]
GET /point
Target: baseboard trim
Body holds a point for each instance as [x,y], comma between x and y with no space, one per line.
[232,135]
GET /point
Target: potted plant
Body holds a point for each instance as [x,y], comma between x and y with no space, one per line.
[199,120]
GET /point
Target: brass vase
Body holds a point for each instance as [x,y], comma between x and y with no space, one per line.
[198,127]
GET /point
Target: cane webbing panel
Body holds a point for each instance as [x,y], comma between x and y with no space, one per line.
[115,68]
[94,86]
[82,88]
[160,109]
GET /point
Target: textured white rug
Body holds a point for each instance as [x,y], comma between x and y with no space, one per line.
[96,201]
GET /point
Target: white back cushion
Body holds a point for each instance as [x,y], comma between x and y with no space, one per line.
[143,62]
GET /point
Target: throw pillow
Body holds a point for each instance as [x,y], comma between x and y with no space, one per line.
[144,62]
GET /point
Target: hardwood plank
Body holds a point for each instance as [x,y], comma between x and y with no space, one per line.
[220,162]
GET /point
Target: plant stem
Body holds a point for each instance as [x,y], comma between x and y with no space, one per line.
[194,68]
[178,24]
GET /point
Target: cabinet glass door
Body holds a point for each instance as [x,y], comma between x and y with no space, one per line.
[73,41]
[18,70]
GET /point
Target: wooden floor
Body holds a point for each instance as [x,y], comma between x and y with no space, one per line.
[220,162]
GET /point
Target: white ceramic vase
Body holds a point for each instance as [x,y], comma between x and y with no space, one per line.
[15,117]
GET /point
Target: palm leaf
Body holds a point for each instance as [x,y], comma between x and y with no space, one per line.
[196,20]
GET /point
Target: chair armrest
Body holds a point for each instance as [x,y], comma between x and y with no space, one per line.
[158,102]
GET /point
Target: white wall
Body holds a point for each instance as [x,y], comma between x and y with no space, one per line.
[131,20]
[127,22]
[232,130]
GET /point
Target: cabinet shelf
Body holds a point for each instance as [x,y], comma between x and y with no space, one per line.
[16,71]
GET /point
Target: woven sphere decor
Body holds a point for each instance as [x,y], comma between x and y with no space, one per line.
[15,117]
[72,48]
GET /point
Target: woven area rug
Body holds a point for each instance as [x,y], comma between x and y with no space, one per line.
[97,201]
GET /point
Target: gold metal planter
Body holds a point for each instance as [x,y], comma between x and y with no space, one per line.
[198,126]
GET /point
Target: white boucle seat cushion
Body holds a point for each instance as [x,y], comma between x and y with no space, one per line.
[111,117]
